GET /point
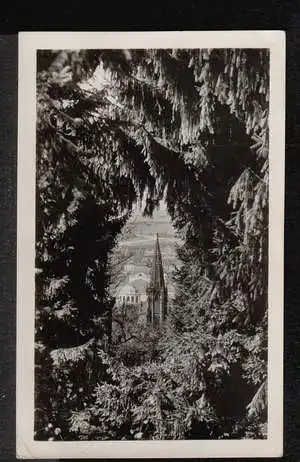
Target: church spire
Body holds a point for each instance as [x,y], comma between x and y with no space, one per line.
[157,291]
[157,273]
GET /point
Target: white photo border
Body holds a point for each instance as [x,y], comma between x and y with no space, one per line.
[29,43]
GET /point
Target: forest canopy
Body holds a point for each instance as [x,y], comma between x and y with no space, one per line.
[116,128]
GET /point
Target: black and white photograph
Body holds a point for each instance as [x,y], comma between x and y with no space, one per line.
[153,224]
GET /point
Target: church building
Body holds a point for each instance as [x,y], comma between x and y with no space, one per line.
[157,290]
[148,292]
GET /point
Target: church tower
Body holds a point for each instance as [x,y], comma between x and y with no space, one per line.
[157,291]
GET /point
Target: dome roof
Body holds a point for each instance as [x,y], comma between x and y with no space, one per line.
[140,285]
[139,276]
[127,289]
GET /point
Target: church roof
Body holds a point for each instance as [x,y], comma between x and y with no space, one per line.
[139,276]
[140,285]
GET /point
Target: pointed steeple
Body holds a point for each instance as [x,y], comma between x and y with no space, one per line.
[157,291]
[157,273]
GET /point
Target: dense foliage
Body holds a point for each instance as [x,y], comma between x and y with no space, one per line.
[119,127]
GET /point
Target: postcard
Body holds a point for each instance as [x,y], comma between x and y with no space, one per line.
[150,244]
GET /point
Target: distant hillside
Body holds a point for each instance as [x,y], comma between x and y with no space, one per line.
[160,223]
